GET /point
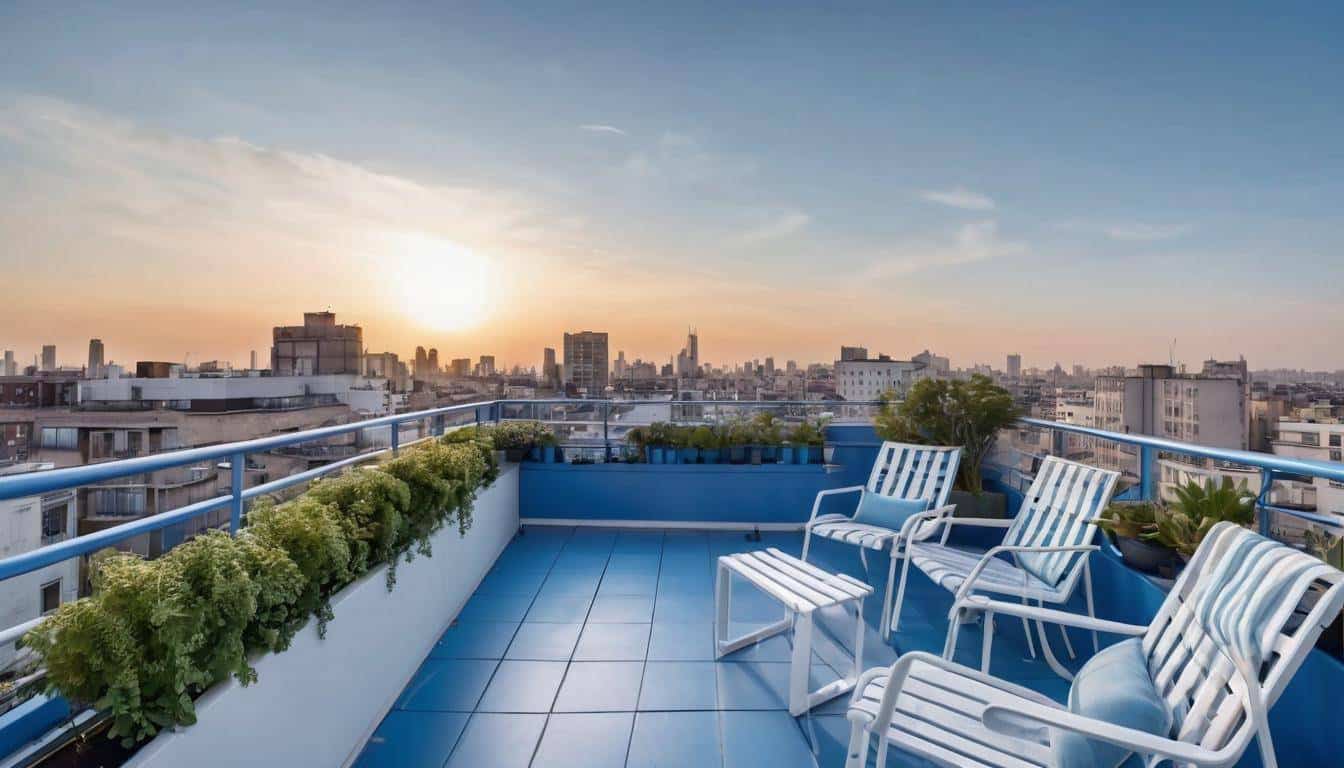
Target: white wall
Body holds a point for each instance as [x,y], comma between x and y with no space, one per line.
[318,702]
[20,532]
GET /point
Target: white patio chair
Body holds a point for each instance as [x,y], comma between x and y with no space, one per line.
[902,471]
[1048,543]
[1220,651]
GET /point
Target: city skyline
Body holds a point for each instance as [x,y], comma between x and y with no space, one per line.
[478,180]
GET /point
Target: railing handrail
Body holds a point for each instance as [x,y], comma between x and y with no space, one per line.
[1281,465]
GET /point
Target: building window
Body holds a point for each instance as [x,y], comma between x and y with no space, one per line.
[53,523]
[1334,441]
[51,596]
[60,438]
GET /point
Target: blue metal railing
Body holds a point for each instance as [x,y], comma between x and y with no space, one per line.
[1271,467]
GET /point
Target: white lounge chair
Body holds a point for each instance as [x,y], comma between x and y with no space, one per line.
[1215,658]
[1048,543]
[902,471]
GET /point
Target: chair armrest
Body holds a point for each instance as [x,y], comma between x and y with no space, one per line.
[983,603]
[968,584]
[982,522]
[816,505]
[1028,715]
[943,513]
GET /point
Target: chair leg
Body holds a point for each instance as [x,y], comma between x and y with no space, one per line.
[1049,654]
[723,591]
[953,629]
[807,540]
[1026,628]
[886,596]
[900,595]
[1091,609]
[1068,644]
[858,746]
[987,643]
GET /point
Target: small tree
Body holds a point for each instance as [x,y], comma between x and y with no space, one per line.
[938,412]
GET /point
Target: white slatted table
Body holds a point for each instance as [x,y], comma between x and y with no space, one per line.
[802,588]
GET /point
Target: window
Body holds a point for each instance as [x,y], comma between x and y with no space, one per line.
[53,523]
[1334,440]
[61,438]
[51,596]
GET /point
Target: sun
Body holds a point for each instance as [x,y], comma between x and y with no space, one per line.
[437,284]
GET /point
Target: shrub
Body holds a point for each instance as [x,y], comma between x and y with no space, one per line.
[311,533]
[372,506]
[484,442]
[430,495]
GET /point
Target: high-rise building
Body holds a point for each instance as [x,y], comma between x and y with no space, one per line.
[11,367]
[769,366]
[48,357]
[618,368]
[870,379]
[936,366]
[252,361]
[486,367]
[421,369]
[791,367]
[317,347]
[1014,366]
[95,369]
[586,361]
[461,367]
[549,376]
[433,363]
[853,353]
[688,360]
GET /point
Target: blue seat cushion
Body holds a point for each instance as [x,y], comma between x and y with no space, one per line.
[1113,686]
[886,511]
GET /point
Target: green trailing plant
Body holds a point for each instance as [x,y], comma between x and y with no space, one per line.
[483,439]
[372,505]
[940,412]
[431,493]
[313,536]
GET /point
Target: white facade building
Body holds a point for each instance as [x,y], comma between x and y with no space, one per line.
[1311,440]
[869,379]
[27,524]
[363,394]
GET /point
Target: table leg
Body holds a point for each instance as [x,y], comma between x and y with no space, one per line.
[801,665]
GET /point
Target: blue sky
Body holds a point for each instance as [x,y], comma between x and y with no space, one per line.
[1078,182]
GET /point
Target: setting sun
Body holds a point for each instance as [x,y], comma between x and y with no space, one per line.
[437,284]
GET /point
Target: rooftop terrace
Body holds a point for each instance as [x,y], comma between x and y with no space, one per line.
[572,625]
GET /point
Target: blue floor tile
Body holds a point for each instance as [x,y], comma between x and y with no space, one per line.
[523,686]
[776,648]
[447,685]
[642,562]
[570,584]
[621,610]
[474,640]
[585,741]
[513,581]
[673,685]
[600,686]
[538,641]
[675,740]
[613,642]
[497,741]
[562,610]
[621,581]
[412,738]
[761,684]
[495,608]
[771,739]
[675,607]
[682,641]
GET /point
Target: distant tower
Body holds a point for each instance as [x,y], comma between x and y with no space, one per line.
[252,361]
[11,367]
[95,369]
[548,372]
[48,357]
[1014,368]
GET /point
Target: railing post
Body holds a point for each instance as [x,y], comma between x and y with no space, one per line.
[606,442]
[236,504]
[437,425]
[1266,514]
[395,440]
[1148,472]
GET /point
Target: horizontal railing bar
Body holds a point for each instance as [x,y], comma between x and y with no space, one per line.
[1269,461]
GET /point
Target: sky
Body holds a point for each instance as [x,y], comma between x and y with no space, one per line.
[1077,182]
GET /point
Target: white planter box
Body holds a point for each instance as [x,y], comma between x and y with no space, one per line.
[318,702]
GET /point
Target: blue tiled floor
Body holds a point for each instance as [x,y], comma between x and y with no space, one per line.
[594,648]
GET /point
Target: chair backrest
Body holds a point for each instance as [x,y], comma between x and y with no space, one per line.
[1231,633]
[906,471]
[1060,509]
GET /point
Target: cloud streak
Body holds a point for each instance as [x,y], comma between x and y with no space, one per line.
[781,226]
[600,128]
[971,243]
[1145,232]
[959,197]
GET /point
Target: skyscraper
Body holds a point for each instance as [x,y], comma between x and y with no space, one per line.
[95,369]
[461,367]
[11,367]
[853,353]
[586,361]
[688,360]
[48,357]
[433,363]
[1014,367]
[548,372]
[252,360]
[421,364]
[487,365]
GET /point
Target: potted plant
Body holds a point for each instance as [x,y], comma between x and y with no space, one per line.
[686,451]
[1133,528]
[966,413]
[1330,549]
[739,437]
[807,439]
[660,439]
[546,443]
[705,440]
[1197,508]
[768,437]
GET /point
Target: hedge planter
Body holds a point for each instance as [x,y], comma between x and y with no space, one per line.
[786,454]
[739,454]
[317,702]
[686,455]
[987,504]
[709,455]
[1148,557]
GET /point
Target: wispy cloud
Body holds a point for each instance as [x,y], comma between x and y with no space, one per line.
[1145,232]
[974,242]
[776,227]
[681,159]
[600,128]
[959,197]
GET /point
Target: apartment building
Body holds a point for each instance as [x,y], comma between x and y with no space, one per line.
[319,346]
[1320,441]
[585,361]
[30,523]
[870,378]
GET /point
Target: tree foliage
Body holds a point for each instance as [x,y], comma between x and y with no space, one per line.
[941,412]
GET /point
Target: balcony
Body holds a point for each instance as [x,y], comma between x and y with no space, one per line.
[572,624]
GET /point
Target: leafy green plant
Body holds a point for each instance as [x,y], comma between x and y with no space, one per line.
[663,434]
[767,429]
[1198,508]
[313,536]
[703,438]
[1130,519]
[484,442]
[808,433]
[431,493]
[940,412]
[372,505]
[519,434]
[740,432]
